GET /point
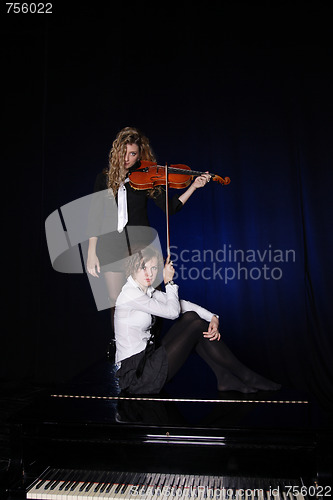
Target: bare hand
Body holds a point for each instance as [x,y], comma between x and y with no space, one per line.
[93,266]
[168,271]
[202,180]
[213,330]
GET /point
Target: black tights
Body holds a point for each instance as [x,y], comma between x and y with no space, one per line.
[186,335]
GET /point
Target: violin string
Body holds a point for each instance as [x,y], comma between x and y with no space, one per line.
[167,208]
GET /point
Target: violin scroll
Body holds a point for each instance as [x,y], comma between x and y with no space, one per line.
[224,181]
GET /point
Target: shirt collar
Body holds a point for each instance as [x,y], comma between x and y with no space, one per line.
[150,289]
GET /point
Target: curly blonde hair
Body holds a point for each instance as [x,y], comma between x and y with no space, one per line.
[116,173]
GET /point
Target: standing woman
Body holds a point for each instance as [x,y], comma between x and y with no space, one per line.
[143,366]
[129,147]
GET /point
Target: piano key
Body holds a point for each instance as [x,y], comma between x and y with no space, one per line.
[132,482]
[153,480]
[104,488]
[65,484]
[249,494]
[107,478]
[202,488]
[178,487]
[42,484]
[134,487]
[94,486]
[150,486]
[76,487]
[182,492]
[59,488]
[187,487]
[126,480]
[217,494]
[55,479]
[61,481]
[41,490]
[194,487]
[211,487]
[165,490]
[186,483]
[109,486]
[152,483]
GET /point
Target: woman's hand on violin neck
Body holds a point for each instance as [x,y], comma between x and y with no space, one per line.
[201,181]
[198,182]
[168,271]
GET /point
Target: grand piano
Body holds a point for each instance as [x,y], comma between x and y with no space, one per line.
[82,442]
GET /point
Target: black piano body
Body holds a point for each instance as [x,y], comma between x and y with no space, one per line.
[267,436]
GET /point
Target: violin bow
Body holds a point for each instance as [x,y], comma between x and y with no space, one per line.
[167,211]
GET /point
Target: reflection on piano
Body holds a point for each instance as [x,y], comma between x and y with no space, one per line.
[79,444]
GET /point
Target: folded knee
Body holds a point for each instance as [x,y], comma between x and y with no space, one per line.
[190,316]
[193,319]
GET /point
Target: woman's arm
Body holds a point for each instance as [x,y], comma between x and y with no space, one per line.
[162,304]
[199,182]
[213,320]
[95,219]
[93,266]
[176,202]
[186,305]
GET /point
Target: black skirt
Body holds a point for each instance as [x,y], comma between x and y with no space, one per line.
[152,375]
[113,248]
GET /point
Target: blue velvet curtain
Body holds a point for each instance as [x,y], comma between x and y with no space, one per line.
[239,89]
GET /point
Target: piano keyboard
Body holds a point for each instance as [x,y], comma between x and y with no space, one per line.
[67,484]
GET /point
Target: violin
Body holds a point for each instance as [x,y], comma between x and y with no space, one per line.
[149,175]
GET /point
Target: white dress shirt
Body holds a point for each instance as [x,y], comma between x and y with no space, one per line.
[134,309]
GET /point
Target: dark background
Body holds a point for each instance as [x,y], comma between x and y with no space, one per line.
[243,89]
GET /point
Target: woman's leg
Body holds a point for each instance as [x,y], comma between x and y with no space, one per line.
[218,355]
[187,334]
[226,379]
[181,339]
[114,282]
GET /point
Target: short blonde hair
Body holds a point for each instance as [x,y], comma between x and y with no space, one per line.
[139,258]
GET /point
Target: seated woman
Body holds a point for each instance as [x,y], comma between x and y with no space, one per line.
[144,368]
